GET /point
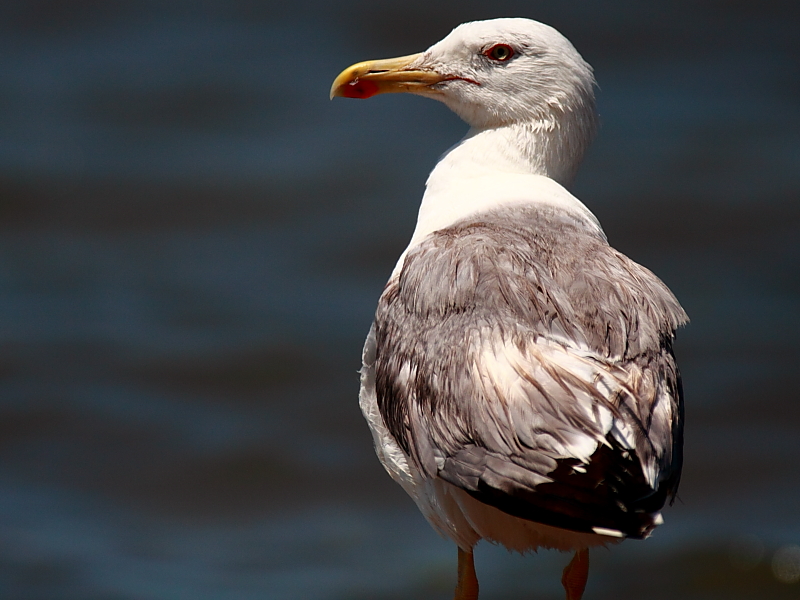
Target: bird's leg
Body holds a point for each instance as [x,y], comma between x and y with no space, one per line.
[575,575]
[467,586]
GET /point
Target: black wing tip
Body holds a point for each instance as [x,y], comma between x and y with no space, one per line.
[570,515]
[608,496]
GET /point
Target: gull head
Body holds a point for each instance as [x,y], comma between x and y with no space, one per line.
[503,73]
[490,73]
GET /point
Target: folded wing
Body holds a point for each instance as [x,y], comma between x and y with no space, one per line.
[520,358]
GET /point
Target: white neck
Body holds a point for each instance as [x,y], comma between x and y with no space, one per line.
[484,172]
[535,148]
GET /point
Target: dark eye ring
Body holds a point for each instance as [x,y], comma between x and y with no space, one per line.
[500,52]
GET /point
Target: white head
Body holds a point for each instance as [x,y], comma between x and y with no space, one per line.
[510,71]
[504,73]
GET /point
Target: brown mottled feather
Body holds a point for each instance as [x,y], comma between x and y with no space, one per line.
[577,324]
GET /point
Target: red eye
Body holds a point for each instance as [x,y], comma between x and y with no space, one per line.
[500,52]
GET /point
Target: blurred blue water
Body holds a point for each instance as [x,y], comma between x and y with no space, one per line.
[192,240]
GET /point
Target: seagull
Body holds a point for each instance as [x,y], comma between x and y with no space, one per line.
[519,377]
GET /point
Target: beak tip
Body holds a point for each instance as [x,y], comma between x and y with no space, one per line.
[355,88]
[366,79]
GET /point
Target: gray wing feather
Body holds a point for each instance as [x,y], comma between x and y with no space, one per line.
[522,359]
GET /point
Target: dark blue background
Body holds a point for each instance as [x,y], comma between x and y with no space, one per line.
[193,239]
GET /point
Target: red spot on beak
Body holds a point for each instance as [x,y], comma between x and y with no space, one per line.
[360,89]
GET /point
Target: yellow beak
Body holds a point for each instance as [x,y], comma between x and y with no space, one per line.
[392,75]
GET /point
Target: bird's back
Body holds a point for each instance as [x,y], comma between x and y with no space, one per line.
[517,357]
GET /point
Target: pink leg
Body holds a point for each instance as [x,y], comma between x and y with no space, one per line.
[467,587]
[575,575]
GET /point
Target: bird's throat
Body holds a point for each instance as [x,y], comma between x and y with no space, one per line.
[533,148]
